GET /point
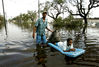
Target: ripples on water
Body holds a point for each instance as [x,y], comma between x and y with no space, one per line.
[19,50]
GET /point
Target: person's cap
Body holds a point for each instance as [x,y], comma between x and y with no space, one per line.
[44,12]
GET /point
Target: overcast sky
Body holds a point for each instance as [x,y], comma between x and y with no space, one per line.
[15,7]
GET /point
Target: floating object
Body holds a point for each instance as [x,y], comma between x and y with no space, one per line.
[54,37]
[74,54]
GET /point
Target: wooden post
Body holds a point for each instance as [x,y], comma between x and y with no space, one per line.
[38,8]
[4,17]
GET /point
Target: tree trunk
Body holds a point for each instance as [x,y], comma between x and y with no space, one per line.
[85,25]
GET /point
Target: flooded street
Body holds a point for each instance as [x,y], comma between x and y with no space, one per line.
[18,49]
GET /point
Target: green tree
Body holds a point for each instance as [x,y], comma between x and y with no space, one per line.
[1,21]
[69,23]
[32,15]
[59,23]
[25,20]
[22,18]
[74,23]
[82,8]
[55,8]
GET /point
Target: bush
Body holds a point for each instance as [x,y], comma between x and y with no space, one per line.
[69,22]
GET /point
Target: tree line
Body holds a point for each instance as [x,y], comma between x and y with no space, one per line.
[57,8]
[79,8]
[1,21]
[30,16]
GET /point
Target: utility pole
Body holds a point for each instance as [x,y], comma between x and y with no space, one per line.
[4,17]
[38,8]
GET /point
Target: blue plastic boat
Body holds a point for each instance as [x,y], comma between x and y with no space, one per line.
[74,54]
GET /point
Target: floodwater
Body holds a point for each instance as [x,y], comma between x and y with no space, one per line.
[18,49]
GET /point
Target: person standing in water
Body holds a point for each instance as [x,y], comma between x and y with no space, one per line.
[39,28]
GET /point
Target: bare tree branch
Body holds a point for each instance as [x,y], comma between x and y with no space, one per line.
[56,7]
[82,10]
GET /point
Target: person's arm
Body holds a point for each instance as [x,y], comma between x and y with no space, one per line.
[72,49]
[66,50]
[69,50]
[35,27]
[34,30]
[48,29]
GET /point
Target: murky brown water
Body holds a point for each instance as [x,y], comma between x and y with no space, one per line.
[18,49]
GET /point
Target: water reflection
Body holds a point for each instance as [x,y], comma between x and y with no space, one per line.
[77,36]
[41,56]
[70,60]
[25,25]
[20,47]
[88,41]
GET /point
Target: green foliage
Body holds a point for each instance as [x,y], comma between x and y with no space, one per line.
[30,16]
[1,21]
[59,1]
[69,23]
[25,21]
[55,8]
[58,23]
